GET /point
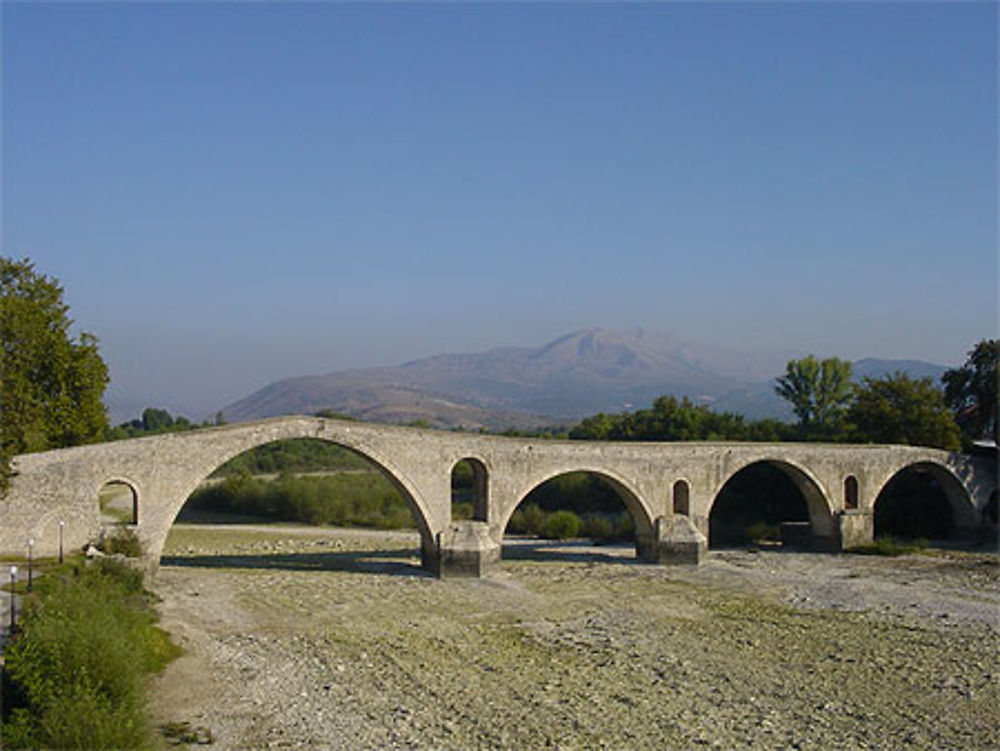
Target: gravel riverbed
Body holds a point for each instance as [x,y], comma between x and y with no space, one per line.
[335,639]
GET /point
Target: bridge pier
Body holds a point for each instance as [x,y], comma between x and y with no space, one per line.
[854,527]
[674,540]
[464,549]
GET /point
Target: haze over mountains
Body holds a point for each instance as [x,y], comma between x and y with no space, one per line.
[574,376]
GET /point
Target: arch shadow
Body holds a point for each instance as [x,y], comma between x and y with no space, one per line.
[821,527]
[384,562]
[930,489]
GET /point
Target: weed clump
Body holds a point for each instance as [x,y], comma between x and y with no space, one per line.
[890,546]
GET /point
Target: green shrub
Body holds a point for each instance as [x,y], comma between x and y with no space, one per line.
[527,520]
[598,528]
[562,525]
[122,541]
[624,526]
[76,668]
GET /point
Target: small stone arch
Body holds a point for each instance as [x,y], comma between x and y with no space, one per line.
[817,501]
[118,502]
[964,517]
[681,494]
[851,501]
[480,490]
[634,504]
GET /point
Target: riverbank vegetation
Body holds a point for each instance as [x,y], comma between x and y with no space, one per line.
[76,670]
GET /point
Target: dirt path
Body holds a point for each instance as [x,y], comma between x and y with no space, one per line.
[335,639]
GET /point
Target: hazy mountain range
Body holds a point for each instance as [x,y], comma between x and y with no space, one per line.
[574,376]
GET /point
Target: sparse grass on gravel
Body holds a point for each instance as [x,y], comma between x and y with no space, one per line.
[572,655]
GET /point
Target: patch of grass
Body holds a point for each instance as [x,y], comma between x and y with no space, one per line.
[890,546]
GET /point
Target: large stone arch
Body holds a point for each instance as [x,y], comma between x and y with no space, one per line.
[640,510]
[154,535]
[816,496]
[965,515]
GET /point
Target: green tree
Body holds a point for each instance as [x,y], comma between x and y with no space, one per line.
[819,391]
[971,391]
[156,420]
[51,382]
[900,409]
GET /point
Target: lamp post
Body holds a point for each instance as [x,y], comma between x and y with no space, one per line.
[61,526]
[31,548]
[13,581]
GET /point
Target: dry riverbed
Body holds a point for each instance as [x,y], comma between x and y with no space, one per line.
[334,639]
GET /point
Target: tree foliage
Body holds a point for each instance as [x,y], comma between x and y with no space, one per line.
[670,419]
[52,381]
[971,391]
[153,421]
[819,391]
[900,409]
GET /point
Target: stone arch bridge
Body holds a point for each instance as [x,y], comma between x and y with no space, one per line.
[668,488]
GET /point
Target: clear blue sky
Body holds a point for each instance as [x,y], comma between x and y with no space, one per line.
[232,193]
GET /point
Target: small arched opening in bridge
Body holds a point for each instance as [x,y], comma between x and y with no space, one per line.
[682,498]
[469,490]
[119,504]
[923,500]
[565,516]
[851,493]
[327,499]
[770,502]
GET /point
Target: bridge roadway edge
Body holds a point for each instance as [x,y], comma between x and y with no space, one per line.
[63,485]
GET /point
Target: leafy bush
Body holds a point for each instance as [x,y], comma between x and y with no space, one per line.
[529,519]
[562,525]
[122,541]
[76,667]
[598,528]
[624,526]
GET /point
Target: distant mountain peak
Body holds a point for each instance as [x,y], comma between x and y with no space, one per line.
[587,371]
